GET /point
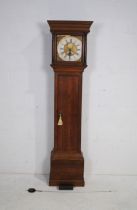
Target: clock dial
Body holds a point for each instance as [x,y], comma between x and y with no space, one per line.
[69,48]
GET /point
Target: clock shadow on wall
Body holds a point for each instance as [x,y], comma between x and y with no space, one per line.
[89,137]
[41,88]
[49,102]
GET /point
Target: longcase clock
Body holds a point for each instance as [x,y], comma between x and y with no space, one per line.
[69,52]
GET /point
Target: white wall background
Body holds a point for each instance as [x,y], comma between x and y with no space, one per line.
[109,131]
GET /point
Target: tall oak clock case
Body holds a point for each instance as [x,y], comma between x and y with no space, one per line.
[69,51]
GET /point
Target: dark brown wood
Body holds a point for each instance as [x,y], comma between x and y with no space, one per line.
[67,162]
[69,25]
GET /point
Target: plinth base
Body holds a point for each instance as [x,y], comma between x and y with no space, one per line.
[66,169]
[75,183]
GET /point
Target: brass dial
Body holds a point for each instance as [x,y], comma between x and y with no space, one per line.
[69,48]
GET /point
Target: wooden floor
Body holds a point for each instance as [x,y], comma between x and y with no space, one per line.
[102,192]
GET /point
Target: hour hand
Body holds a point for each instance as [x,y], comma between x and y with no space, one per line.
[69,53]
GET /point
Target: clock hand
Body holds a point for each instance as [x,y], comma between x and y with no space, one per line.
[69,54]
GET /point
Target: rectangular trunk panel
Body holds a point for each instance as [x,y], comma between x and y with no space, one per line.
[68,103]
